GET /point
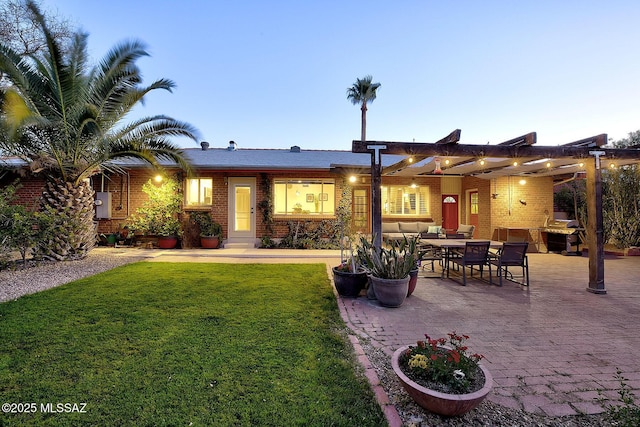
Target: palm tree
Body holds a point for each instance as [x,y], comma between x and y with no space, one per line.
[65,120]
[363,92]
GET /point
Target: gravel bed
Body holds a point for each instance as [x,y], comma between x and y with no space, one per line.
[487,414]
[44,275]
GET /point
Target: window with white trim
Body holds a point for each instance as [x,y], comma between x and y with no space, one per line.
[199,192]
[304,196]
[407,200]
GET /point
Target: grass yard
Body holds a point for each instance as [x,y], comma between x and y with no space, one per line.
[180,344]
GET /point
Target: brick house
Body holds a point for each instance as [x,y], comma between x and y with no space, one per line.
[307,185]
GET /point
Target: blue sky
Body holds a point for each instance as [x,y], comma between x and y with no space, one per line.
[272,74]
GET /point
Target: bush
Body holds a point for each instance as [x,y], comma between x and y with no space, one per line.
[159,215]
[20,229]
[628,412]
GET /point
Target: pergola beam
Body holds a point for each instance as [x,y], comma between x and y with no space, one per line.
[452,138]
[518,148]
[506,151]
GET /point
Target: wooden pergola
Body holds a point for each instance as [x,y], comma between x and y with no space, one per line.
[490,161]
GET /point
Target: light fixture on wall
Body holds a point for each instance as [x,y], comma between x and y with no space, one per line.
[413,184]
[352,178]
[523,202]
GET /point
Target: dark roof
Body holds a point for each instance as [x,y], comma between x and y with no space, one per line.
[264,159]
[258,159]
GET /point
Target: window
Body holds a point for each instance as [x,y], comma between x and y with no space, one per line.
[405,200]
[199,192]
[474,203]
[304,196]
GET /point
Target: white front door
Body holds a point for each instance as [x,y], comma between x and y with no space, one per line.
[242,217]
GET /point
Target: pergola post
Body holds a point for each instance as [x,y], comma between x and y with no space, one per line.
[376,193]
[595,227]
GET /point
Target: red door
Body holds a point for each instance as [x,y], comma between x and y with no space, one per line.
[450,212]
[473,210]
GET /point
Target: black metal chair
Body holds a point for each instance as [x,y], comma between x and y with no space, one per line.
[430,254]
[475,254]
[512,254]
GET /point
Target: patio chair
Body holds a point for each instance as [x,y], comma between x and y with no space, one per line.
[512,254]
[475,254]
[430,254]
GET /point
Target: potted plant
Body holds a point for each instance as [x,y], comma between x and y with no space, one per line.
[441,376]
[210,231]
[158,216]
[349,277]
[389,269]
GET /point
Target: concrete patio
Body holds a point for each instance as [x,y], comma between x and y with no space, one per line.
[551,348]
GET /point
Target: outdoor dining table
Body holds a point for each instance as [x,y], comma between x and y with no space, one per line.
[450,245]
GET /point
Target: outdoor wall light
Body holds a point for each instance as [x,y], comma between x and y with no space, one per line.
[612,165]
[158,178]
[548,164]
[523,202]
[522,182]
[515,163]
[413,184]
[352,178]
[410,159]
[482,162]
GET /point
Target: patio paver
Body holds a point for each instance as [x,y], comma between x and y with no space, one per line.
[550,347]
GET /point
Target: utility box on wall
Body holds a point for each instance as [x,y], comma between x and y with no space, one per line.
[103,205]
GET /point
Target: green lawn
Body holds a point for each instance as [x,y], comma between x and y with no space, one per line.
[184,344]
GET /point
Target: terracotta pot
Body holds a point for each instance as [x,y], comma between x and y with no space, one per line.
[349,284]
[390,292]
[438,402]
[209,242]
[413,281]
[167,242]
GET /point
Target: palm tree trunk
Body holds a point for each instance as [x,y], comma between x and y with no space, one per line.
[363,129]
[73,233]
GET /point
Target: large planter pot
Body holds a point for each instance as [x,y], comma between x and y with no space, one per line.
[209,242]
[167,242]
[413,281]
[349,284]
[435,401]
[390,292]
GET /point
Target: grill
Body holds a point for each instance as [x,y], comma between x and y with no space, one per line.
[562,236]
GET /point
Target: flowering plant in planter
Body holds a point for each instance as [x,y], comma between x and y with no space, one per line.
[443,365]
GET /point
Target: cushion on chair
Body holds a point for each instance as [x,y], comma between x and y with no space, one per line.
[423,227]
[434,229]
[467,230]
[390,227]
[408,227]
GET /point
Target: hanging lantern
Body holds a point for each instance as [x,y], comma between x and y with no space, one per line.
[437,170]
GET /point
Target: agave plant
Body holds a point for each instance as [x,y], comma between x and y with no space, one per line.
[394,262]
